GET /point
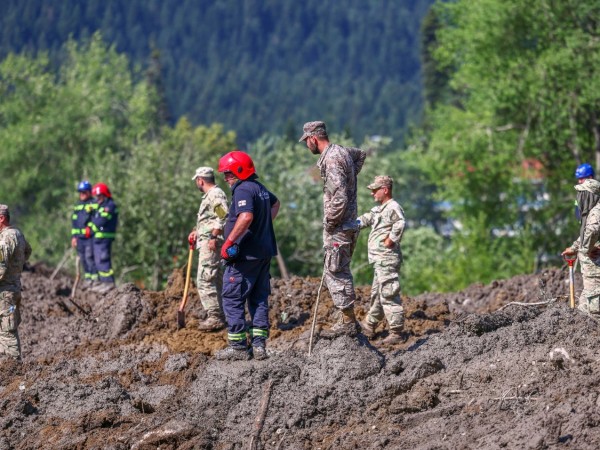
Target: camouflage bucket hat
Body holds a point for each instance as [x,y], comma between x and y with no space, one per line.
[316,128]
[589,185]
[381,181]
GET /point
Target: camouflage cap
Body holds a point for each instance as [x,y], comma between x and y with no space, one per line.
[4,210]
[204,172]
[381,181]
[316,128]
[589,185]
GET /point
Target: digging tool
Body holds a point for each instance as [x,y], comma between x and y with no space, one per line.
[571,261]
[61,263]
[312,328]
[181,310]
[77,276]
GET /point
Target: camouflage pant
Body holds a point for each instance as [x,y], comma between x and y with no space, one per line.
[385,295]
[339,247]
[209,280]
[589,297]
[10,318]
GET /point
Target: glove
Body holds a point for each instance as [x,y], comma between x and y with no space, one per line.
[88,232]
[230,250]
[192,240]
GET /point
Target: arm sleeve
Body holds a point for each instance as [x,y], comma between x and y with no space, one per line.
[398,225]
[337,187]
[591,233]
[358,158]
[366,220]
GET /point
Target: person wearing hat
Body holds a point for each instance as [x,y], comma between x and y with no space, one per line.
[82,215]
[387,226]
[587,245]
[14,251]
[339,168]
[208,239]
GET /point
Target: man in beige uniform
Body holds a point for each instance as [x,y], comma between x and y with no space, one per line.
[14,251]
[387,226]
[208,237]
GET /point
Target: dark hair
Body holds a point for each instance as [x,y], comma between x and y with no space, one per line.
[209,179]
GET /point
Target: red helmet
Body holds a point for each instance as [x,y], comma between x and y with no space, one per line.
[238,163]
[101,189]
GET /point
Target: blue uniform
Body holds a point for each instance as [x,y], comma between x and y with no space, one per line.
[81,218]
[104,226]
[247,279]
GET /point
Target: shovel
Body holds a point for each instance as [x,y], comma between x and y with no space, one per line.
[571,261]
[181,310]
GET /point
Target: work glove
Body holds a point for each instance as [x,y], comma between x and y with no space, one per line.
[230,250]
[88,232]
[192,240]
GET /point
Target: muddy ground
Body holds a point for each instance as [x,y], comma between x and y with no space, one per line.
[477,372]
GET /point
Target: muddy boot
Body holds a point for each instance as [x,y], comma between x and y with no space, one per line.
[395,337]
[211,323]
[259,352]
[233,354]
[345,326]
[368,328]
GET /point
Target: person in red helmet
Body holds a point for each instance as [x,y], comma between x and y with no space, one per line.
[103,227]
[248,248]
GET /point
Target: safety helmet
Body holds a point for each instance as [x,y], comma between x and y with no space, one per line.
[584,170]
[101,189]
[238,163]
[84,186]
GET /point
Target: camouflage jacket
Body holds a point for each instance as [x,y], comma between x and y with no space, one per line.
[211,214]
[339,168]
[385,220]
[591,234]
[14,251]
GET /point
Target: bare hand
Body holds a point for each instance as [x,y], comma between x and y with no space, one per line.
[74,242]
[388,242]
[212,245]
[568,251]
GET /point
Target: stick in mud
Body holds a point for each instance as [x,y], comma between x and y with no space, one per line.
[312,328]
[259,420]
[61,263]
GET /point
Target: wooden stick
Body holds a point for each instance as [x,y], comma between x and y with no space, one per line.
[259,420]
[312,328]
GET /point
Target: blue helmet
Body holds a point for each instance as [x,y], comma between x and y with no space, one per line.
[84,186]
[584,170]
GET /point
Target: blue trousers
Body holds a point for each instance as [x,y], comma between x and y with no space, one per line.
[102,258]
[247,282]
[85,249]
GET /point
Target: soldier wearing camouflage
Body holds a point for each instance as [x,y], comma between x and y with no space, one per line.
[339,168]
[387,226]
[14,251]
[587,245]
[209,239]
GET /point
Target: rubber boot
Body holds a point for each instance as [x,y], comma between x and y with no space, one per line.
[368,328]
[211,323]
[345,326]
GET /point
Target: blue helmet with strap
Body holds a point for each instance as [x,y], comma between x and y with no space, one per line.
[84,186]
[584,170]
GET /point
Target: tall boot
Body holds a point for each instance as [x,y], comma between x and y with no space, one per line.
[345,326]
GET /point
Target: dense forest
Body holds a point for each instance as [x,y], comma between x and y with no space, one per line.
[511,93]
[256,66]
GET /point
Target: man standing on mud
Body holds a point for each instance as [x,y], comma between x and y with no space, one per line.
[387,226]
[586,245]
[208,238]
[83,212]
[248,248]
[14,251]
[339,168]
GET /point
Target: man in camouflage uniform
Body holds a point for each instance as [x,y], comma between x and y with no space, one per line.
[587,245]
[208,238]
[387,225]
[339,168]
[14,251]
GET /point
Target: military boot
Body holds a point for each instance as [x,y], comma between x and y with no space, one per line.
[395,337]
[211,323]
[368,328]
[345,326]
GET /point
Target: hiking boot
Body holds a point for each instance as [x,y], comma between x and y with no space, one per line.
[103,288]
[260,352]
[345,326]
[211,323]
[233,354]
[368,328]
[395,337]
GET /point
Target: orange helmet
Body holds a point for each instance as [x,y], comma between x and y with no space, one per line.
[238,163]
[101,189]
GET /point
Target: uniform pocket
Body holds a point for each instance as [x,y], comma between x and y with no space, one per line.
[208,274]
[232,284]
[9,311]
[390,288]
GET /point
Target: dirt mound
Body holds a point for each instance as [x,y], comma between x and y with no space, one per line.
[120,375]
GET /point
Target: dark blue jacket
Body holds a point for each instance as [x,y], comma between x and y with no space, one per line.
[105,219]
[82,216]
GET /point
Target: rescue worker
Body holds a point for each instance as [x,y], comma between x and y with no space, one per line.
[586,247]
[103,227]
[339,168]
[248,248]
[387,226]
[208,239]
[14,251]
[80,219]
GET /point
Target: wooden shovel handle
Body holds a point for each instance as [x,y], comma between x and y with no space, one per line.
[187,280]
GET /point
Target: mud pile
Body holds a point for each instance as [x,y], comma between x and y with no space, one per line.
[120,375]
